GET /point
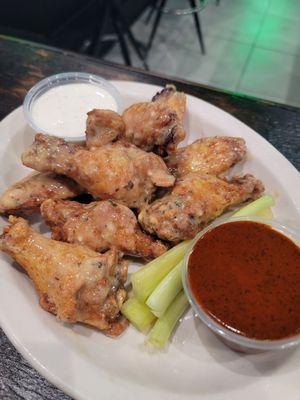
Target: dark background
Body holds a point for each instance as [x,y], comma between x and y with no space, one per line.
[41,20]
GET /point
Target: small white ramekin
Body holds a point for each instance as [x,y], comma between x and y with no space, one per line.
[64,79]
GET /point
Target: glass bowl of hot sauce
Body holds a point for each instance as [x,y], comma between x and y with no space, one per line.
[242,279]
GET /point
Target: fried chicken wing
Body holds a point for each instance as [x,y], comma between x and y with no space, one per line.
[210,155]
[73,282]
[103,127]
[175,100]
[51,154]
[116,171]
[26,196]
[194,201]
[100,225]
[157,125]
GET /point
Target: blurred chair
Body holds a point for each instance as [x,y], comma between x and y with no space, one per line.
[112,12]
[90,26]
[63,23]
[158,7]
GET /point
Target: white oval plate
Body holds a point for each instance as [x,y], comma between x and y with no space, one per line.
[86,364]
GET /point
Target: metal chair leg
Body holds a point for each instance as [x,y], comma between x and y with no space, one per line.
[152,7]
[159,12]
[198,27]
[96,45]
[126,29]
[123,45]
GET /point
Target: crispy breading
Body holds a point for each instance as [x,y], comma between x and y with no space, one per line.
[103,127]
[195,201]
[26,196]
[158,125]
[73,282]
[100,225]
[210,155]
[118,171]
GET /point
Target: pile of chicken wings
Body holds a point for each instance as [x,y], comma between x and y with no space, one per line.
[145,196]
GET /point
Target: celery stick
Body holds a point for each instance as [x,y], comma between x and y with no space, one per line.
[255,207]
[170,286]
[266,213]
[164,326]
[166,291]
[138,314]
[145,280]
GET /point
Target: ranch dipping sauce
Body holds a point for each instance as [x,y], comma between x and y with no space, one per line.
[245,275]
[62,110]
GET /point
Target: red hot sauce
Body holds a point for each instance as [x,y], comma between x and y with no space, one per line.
[246,276]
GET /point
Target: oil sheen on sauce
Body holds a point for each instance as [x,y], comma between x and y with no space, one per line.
[61,111]
[246,276]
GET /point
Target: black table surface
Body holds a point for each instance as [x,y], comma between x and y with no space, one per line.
[22,64]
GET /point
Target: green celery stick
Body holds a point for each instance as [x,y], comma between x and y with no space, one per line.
[166,291]
[255,207]
[266,213]
[138,314]
[145,280]
[164,326]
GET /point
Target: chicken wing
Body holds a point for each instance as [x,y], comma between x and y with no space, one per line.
[100,225]
[175,100]
[103,127]
[194,201]
[73,282]
[157,125]
[51,154]
[26,196]
[211,155]
[116,171]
